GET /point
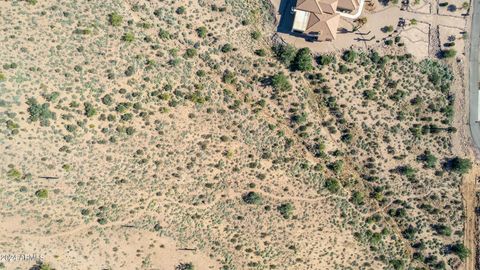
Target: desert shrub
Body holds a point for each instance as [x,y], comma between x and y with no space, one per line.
[406,170]
[41,193]
[260,52]
[190,53]
[201,31]
[342,69]
[286,210]
[460,250]
[255,35]
[229,77]
[280,82]
[2,77]
[115,19]
[299,118]
[428,159]
[357,198]
[180,10]
[388,42]
[448,53]
[336,166]
[332,185]
[164,34]
[39,112]
[130,71]
[459,165]
[185,266]
[89,109]
[442,229]
[369,94]
[387,29]
[107,100]
[128,37]
[226,48]
[397,264]
[302,60]
[14,174]
[409,232]
[252,198]
[349,56]
[325,60]
[285,53]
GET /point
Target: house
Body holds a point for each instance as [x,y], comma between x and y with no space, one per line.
[319,19]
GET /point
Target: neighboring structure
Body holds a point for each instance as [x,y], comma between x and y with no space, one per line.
[319,19]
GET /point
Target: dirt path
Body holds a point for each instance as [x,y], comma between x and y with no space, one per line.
[468,190]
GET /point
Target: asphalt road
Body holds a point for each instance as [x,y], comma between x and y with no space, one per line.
[473,74]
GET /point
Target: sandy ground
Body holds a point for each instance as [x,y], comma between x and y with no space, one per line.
[114,247]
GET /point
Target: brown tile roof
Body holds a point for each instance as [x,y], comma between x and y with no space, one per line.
[325,25]
[309,5]
[348,4]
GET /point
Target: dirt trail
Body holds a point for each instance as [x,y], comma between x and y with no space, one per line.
[468,190]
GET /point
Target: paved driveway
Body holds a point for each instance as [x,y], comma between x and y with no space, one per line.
[473,75]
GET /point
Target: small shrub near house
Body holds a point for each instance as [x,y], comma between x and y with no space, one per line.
[285,54]
[349,56]
[448,53]
[303,60]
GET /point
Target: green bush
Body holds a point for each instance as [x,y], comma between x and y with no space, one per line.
[460,165]
[303,60]
[325,60]
[190,53]
[280,82]
[107,100]
[448,53]
[39,111]
[252,198]
[260,52]
[229,77]
[349,56]
[42,193]
[357,198]
[226,48]
[89,109]
[332,185]
[115,19]
[442,229]
[181,10]
[286,210]
[255,35]
[202,31]
[428,159]
[285,53]
[460,250]
[128,37]
[164,34]
[185,266]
